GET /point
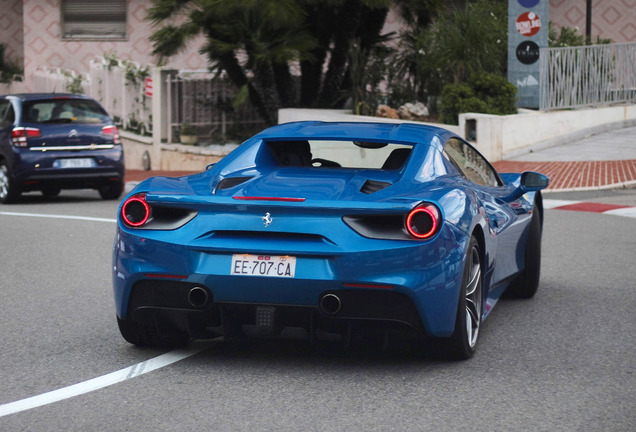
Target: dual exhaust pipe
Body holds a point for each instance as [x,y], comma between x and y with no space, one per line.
[330,304]
[198,297]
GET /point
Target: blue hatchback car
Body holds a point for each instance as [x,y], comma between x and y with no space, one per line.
[50,142]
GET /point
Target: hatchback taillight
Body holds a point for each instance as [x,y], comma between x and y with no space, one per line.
[20,135]
[113,132]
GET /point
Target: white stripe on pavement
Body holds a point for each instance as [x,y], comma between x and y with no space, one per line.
[53,216]
[552,203]
[102,381]
[629,212]
[626,212]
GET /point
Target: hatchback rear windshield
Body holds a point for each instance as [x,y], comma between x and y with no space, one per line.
[64,111]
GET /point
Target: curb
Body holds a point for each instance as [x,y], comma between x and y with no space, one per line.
[590,207]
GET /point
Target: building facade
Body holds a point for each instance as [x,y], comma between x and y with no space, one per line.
[69,34]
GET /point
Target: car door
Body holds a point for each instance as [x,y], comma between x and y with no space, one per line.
[506,220]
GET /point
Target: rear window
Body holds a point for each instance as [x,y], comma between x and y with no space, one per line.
[64,111]
[340,154]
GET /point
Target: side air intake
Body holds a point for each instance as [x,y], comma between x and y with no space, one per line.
[371,186]
[230,182]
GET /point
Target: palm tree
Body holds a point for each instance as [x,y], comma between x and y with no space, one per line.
[256,42]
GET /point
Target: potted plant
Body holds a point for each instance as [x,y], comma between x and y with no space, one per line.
[188,134]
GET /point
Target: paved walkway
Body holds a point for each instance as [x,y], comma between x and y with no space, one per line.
[578,175]
[602,161]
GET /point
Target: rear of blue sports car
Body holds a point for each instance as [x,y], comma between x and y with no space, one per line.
[271,243]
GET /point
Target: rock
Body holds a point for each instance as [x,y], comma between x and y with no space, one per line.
[414,111]
[387,112]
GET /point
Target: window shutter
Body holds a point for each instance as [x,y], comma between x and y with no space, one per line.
[103,19]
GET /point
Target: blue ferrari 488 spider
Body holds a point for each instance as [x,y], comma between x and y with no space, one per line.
[329,231]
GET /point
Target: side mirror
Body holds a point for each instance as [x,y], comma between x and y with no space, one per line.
[532,181]
[529,182]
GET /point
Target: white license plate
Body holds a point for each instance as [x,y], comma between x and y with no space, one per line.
[74,163]
[263,265]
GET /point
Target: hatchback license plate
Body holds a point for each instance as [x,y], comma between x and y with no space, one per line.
[263,265]
[74,163]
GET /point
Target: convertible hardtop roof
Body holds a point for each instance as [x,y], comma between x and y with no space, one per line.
[356,131]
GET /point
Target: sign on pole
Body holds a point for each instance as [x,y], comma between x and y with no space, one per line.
[527,33]
[148,86]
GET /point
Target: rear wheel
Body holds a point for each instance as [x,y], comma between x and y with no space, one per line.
[112,190]
[462,344]
[9,193]
[146,335]
[527,283]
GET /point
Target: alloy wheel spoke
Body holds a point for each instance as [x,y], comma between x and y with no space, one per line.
[473,299]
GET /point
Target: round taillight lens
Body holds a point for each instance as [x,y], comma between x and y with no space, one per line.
[135,211]
[423,221]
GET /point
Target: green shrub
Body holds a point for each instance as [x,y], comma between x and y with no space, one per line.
[482,93]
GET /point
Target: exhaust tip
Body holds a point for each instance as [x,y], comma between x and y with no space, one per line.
[198,297]
[330,304]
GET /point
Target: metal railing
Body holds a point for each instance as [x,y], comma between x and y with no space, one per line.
[592,75]
[203,101]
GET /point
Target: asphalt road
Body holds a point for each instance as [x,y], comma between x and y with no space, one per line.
[562,361]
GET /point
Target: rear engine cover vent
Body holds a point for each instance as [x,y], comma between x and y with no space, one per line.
[371,186]
[230,182]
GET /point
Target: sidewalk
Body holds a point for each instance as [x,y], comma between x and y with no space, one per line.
[602,161]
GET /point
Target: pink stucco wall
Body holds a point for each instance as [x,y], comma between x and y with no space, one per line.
[43,46]
[611,19]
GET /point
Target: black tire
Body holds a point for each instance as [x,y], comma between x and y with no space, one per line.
[9,193]
[112,190]
[527,283]
[150,336]
[463,343]
[51,191]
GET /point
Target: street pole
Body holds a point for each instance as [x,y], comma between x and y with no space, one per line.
[588,22]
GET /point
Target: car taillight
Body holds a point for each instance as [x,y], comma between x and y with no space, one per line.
[113,132]
[135,211]
[423,221]
[20,135]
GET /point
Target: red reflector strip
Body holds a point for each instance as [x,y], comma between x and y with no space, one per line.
[373,286]
[164,276]
[591,207]
[250,198]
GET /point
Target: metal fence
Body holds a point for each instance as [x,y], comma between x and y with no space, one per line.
[205,102]
[196,98]
[587,76]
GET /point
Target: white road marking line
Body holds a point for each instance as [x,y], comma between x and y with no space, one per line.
[626,212]
[103,381]
[552,203]
[53,216]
